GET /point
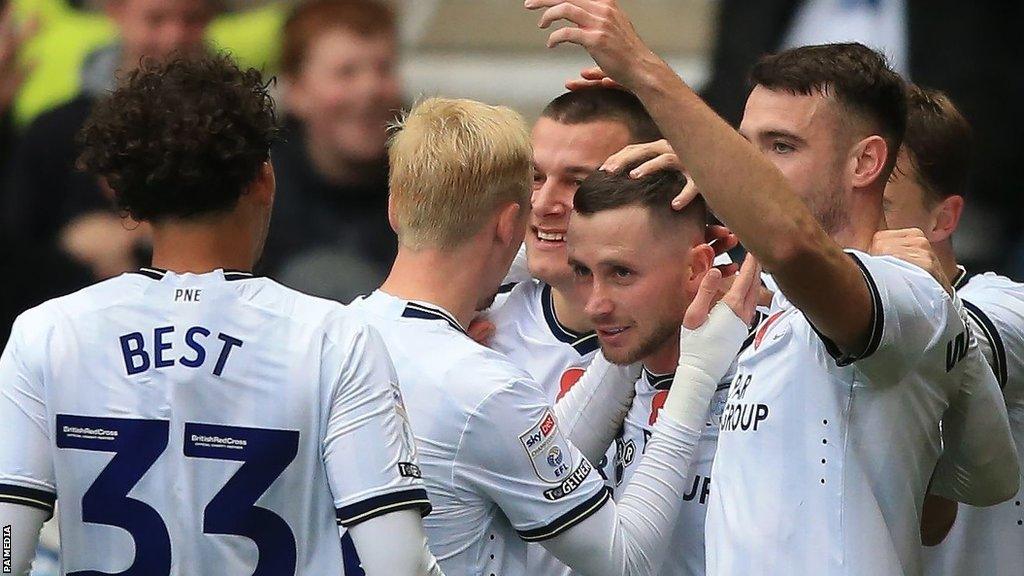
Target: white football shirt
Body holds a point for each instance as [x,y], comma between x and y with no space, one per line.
[823,460]
[990,540]
[498,470]
[527,330]
[687,542]
[193,424]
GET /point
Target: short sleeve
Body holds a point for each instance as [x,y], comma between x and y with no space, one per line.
[514,452]
[995,310]
[26,460]
[913,319]
[369,450]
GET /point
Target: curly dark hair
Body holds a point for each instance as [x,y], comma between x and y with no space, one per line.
[181,138]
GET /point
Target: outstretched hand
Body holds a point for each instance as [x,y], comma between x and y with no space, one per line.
[603,29]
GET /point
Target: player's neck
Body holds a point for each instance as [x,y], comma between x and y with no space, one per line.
[864,218]
[665,358]
[445,279]
[944,252]
[569,312]
[203,247]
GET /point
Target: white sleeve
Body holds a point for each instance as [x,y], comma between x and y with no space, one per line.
[995,310]
[21,525]
[514,451]
[592,411]
[394,545]
[979,464]
[366,411]
[913,320]
[630,538]
[26,461]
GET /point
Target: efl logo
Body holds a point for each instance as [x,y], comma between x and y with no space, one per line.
[8,563]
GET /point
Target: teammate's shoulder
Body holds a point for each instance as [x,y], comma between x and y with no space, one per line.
[992,284]
[892,271]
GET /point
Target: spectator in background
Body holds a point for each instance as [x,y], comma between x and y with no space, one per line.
[330,234]
[13,36]
[46,202]
[962,48]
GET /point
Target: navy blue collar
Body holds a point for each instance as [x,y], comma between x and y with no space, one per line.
[584,343]
[427,312]
[159,273]
[658,381]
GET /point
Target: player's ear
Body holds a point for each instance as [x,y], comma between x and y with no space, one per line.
[392,218]
[510,220]
[262,189]
[946,217]
[869,158]
[702,257]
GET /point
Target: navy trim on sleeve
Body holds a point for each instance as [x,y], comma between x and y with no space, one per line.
[354,514]
[32,497]
[994,339]
[877,323]
[569,519]
[506,288]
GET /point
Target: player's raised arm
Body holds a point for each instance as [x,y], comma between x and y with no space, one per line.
[744,189]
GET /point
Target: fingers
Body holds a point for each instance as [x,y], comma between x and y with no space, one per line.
[721,239]
[569,12]
[663,162]
[594,73]
[697,311]
[742,296]
[634,153]
[481,330]
[686,196]
[582,84]
[569,35]
[728,270]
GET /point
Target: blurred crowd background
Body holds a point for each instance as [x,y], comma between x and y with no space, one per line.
[344,67]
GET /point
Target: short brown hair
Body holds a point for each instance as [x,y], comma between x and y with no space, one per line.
[310,19]
[603,191]
[937,143]
[453,164]
[597,104]
[854,75]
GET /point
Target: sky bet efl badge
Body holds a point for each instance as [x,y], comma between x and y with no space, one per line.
[548,451]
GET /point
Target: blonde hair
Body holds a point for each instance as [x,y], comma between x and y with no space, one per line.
[453,164]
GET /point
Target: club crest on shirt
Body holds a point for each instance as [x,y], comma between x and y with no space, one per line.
[547,449]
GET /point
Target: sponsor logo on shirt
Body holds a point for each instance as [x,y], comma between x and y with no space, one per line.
[570,484]
[409,470]
[547,449]
[740,415]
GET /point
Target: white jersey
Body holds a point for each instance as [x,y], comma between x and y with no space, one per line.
[498,470]
[199,424]
[529,333]
[527,330]
[823,461]
[687,542]
[990,540]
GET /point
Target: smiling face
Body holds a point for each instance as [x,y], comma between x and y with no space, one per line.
[805,139]
[563,155]
[636,276]
[346,92]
